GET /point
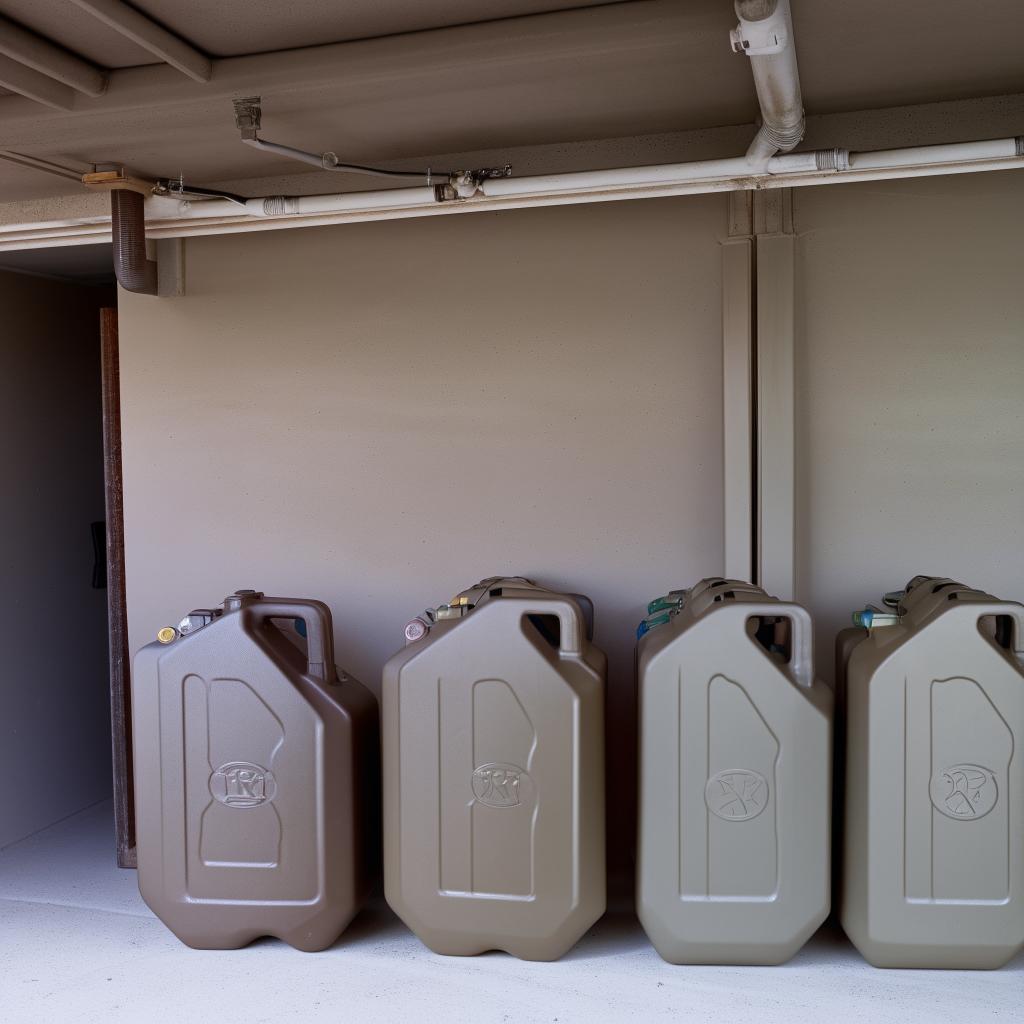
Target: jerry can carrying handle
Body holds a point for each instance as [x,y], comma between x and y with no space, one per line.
[999,609]
[519,603]
[801,641]
[1015,613]
[317,618]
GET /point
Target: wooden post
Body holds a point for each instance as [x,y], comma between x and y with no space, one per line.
[120,663]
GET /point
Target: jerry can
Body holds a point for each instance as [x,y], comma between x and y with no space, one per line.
[256,768]
[493,744]
[735,777]
[933,843]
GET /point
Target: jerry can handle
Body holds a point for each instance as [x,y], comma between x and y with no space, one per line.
[1015,613]
[529,602]
[1010,610]
[317,618]
[801,641]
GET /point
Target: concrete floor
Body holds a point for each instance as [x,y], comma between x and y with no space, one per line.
[78,945]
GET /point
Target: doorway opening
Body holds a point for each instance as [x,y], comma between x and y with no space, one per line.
[59,400]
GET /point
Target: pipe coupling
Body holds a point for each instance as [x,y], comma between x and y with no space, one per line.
[280,206]
[832,159]
[783,137]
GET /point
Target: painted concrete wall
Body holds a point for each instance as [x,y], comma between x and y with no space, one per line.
[54,687]
[910,389]
[380,415]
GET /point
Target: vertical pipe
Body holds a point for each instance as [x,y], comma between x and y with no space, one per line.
[135,273]
[765,35]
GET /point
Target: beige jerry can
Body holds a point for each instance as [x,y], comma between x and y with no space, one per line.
[494,773]
[933,849]
[735,777]
[256,775]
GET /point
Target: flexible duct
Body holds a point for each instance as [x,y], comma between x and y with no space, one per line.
[135,273]
[765,35]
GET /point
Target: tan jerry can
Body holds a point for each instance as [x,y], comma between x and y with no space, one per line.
[933,845]
[735,777]
[256,773]
[493,719]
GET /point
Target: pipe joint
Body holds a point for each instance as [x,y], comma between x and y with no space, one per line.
[280,206]
[783,135]
[763,28]
[765,35]
[832,159]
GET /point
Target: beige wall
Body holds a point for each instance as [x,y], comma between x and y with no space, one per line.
[910,389]
[379,415]
[54,690]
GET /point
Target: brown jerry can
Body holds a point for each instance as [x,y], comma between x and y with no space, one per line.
[933,838]
[255,777]
[734,776]
[493,741]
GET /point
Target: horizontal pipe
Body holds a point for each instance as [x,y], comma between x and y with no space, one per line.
[734,169]
[53,61]
[169,218]
[957,152]
[330,162]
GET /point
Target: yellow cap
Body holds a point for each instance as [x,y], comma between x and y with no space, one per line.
[167,634]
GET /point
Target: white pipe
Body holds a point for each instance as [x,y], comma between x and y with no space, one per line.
[791,169]
[953,153]
[172,218]
[765,35]
[305,206]
[735,169]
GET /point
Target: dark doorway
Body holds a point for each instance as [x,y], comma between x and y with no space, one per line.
[55,688]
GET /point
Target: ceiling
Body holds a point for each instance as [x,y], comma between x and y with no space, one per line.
[231,28]
[404,79]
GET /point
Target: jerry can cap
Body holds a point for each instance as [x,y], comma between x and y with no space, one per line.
[872,618]
[672,600]
[652,621]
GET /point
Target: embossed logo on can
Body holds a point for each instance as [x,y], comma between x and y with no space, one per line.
[500,785]
[964,792]
[736,794]
[243,784]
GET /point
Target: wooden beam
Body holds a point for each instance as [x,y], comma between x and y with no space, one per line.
[120,661]
[53,61]
[26,82]
[134,25]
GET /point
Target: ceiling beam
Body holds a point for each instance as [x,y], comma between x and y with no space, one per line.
[53,61]
[38,164]
[454,60]
[29,83]
[135,26]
